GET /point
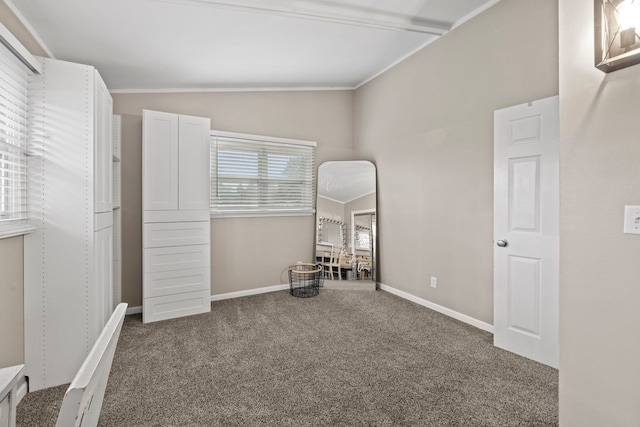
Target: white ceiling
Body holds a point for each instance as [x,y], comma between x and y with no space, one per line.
[345,181]
[147,45]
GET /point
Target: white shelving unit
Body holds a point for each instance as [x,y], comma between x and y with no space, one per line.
[175,201]
[68,260]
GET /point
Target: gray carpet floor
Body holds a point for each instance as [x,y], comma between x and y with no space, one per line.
[347,358]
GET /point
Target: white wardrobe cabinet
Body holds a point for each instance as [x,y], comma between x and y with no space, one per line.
[176,225]
[68,260]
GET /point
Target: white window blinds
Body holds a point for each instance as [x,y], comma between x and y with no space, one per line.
[266,176]
[13,141]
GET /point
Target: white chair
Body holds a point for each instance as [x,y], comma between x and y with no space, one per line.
[83,400]
[331,267]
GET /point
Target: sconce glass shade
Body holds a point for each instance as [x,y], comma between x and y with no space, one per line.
[617,44]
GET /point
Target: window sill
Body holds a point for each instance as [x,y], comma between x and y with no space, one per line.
[258,214]
[16,230]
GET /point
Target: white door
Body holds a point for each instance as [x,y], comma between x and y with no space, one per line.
[159,161]
[526,249]
[194,171]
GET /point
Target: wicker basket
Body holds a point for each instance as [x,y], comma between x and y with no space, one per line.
[304,280]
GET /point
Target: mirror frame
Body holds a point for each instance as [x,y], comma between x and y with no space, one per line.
[374,210]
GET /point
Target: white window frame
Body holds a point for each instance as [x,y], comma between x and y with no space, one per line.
[18,66]
[262,145]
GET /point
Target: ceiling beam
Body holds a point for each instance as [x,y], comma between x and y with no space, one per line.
[330,12]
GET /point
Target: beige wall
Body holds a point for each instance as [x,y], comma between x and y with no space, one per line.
[246,253]
[11,302]
[131,207]
[428,126]
[249,253]
[600,266]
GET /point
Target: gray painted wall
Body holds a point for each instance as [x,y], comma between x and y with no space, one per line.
[600,266]
[428,125]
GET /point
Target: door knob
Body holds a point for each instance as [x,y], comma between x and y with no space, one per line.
[502,243]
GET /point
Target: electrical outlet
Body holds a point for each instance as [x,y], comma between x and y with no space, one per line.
[632,219]
[434,282]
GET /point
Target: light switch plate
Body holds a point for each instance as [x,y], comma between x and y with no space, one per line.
[632,219]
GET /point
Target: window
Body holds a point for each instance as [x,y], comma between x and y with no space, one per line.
[13,137]
[253,175]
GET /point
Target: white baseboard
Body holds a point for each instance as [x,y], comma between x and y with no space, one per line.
[256,291]
[423,302]
[219,297]
[134,310]
[440,309]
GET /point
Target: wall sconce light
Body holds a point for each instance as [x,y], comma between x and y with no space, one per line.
[617,44]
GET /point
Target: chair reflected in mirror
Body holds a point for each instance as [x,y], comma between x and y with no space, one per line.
[337,264]
[330,263]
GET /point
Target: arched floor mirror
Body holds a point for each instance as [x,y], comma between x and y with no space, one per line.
[346,223]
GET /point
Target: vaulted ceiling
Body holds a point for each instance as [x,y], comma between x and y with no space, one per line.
[148,45]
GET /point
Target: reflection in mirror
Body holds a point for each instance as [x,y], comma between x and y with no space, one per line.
[362,231]
[346,220]
[331,231]
[364,225]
